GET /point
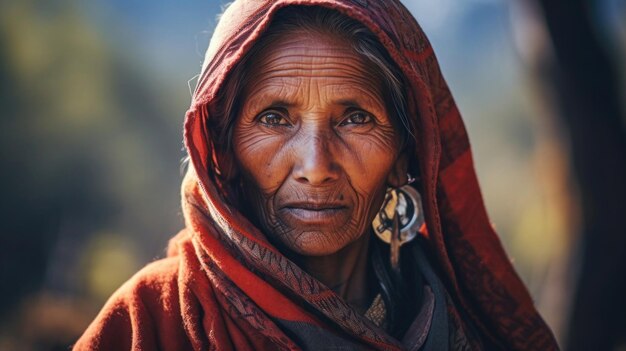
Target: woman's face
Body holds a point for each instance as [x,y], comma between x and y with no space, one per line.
[314,143]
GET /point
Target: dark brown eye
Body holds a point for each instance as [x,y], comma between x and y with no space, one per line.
[273,119]
[357,118]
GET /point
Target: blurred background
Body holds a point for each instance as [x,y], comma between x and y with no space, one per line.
[92,99]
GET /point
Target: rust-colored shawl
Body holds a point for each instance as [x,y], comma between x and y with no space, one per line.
[225,287]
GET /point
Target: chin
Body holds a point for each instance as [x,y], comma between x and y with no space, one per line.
[317,243]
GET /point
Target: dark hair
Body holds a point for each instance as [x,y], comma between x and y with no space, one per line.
[401,294]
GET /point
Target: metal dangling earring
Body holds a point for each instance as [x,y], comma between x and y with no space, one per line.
[399,219]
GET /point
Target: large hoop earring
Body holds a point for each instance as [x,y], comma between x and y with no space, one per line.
[399,219]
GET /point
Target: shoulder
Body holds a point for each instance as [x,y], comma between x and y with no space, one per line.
[144,313]
[154,277]
[155,283]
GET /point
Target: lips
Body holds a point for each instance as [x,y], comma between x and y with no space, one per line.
[314,213]
[315,206]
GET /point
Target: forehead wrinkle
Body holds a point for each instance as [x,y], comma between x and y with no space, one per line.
[325,54]
[302,58]
[329,69]
[298,45]
[338,84]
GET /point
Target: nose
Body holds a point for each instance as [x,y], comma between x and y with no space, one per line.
[315,164]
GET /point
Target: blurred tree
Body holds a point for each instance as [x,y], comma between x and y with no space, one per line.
[44,175]
[90,148]
[584,77]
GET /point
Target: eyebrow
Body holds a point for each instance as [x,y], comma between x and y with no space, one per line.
[348,103]
[281,103]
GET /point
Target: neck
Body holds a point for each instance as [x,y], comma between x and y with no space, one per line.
[345,272]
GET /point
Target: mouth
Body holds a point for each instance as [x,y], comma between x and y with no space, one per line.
[314,213]
[314,206]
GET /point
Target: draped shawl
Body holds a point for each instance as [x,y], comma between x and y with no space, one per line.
[223,286]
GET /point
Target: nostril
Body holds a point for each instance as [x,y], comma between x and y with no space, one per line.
[315,163]
[316,174]
[314,180]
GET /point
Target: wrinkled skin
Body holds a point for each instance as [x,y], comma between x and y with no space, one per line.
[316,148]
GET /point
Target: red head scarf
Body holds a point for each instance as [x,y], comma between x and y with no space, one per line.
[224,285]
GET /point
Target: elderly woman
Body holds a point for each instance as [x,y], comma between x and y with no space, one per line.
[330,202]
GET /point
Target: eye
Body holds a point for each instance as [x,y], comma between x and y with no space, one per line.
[358,117]
[273,119]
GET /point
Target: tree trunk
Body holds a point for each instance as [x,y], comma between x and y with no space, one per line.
[585,80]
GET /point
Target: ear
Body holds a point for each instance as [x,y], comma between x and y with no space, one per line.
[398,175]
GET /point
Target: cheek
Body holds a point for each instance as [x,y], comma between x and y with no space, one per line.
[372,159]
[368,162]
